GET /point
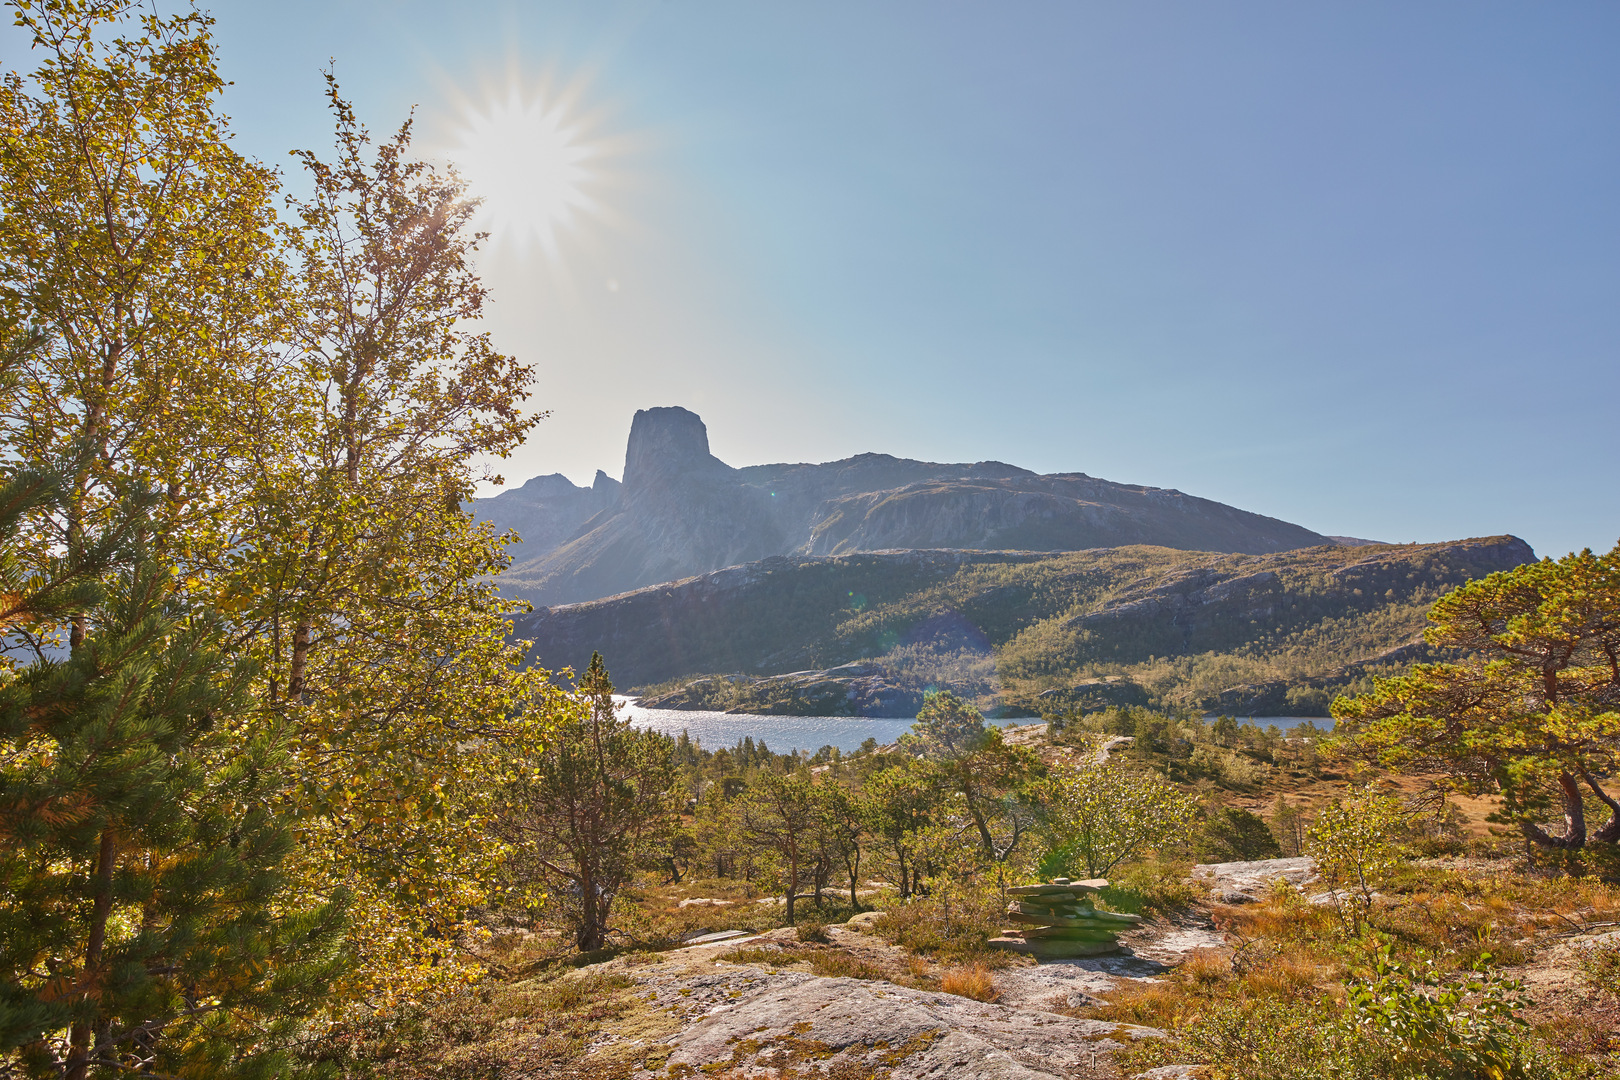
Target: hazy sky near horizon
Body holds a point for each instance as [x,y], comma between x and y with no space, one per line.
[1356,266]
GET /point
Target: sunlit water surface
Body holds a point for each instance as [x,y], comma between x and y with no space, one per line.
[783,733]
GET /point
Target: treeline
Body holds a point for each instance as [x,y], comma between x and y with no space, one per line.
[953,809]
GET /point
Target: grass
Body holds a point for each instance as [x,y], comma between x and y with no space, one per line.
[920,926]
[973,981]
[828,962]
[539,1028]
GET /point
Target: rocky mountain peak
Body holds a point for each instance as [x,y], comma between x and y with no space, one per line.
[667,443]
[682,511]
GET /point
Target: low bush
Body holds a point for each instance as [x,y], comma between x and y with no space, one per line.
[539,1028]
[1150,887]
[831,963]
[1396,1025]
[920,926]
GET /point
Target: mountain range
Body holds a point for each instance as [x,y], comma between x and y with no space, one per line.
[681,511]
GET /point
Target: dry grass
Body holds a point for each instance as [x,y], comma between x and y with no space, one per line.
[920,927]
[829,962]
[540,1028]
[974,981]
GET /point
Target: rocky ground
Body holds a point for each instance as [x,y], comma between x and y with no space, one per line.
[856,1007]
[754,1006]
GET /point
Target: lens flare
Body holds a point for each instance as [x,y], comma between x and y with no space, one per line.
[528,163]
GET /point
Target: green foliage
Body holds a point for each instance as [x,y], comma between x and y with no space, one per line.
[947,729]
[1288,824]
[1099,814]
[595,808]
[977,764]
[145,923]
[1232,834]
[1432,1027]
[1529,714]
[811,931]
[311,398]
[1356,842]
[899,802]
[1400,1021]
[777,815]
[1150,886]
[921,927]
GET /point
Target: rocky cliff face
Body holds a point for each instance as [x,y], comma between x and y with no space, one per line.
[547,510]
[682,511]
[819,634]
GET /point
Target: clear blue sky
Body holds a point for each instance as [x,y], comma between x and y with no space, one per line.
[1354,265]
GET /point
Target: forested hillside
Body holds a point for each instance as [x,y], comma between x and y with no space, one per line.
[1269,634]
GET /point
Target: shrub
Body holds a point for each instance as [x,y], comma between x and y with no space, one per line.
[812,929]
[1431,1027]
[1402,1024]
[1235,835]
[1150,887]
[1227,768]
[1100,814]
[920,926]
[1355,842]
[974,981]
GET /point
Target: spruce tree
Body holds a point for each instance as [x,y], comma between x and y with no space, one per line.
[140,838]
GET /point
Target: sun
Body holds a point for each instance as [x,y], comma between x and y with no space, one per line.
[528,163]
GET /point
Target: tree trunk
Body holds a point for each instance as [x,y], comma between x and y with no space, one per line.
[300,661]
[1574,837]
[854,876]
[792,887]
[590,935]
[78,1060]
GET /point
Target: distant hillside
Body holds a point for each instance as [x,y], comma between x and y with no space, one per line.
[1255,634]
[681,511]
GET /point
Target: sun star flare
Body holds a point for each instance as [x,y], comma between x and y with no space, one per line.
[527,161]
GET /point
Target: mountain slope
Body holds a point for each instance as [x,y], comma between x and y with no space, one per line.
[682,511]
[1183,626]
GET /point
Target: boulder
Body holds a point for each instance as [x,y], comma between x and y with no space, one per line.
[864,921]
[1248,882]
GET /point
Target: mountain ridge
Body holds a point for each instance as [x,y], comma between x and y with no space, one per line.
[1273,632]
[681,511]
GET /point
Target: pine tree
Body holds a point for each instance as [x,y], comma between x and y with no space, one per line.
[600,802]
[139,836]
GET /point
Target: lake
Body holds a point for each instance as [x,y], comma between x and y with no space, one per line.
[781,733]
